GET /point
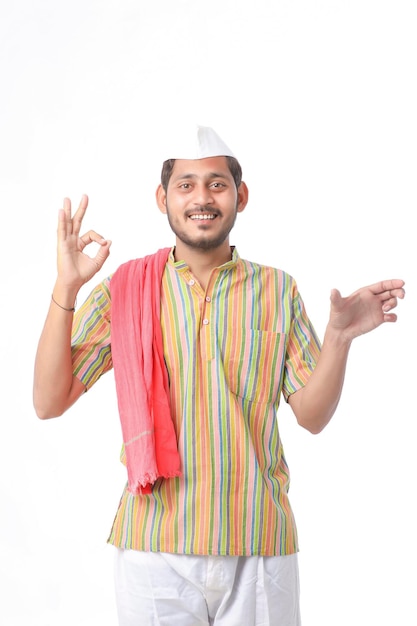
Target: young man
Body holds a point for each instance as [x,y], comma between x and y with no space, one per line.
[203,345]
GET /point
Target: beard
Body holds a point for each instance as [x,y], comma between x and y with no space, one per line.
[204,240]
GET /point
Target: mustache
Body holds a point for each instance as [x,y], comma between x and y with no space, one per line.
[202,208]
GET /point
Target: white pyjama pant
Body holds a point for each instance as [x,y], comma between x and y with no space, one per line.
[160,589]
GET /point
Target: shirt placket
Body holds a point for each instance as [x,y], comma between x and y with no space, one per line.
[205,315]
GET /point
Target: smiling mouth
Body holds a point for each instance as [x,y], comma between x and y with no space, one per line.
[202,216]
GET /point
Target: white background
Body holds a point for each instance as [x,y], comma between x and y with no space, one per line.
[318,99]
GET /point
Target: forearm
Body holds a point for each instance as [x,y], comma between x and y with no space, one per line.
[53,390]
[315,404]
[363,311]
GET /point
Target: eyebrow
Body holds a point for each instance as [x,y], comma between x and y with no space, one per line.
[209,176]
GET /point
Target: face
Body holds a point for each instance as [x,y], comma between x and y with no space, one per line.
[201,202]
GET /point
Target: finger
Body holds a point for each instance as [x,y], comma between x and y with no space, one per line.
[389,304]
[79,215]
[336,300]
[389,299]
[390,317]
[62,228]
[398,293]
[67,207]
[386,285]
[67,213]
[102,253]
[64,220]
[91,237]
[335,296]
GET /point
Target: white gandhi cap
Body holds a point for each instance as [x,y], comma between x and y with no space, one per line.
[196,142]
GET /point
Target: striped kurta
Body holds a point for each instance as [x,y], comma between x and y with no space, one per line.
[232,351]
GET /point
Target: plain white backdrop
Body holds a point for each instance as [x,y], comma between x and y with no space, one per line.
[318,99]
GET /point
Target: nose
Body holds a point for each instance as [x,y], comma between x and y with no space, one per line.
[203,195]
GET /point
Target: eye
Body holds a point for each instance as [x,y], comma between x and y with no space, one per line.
[217,185]
[185,186]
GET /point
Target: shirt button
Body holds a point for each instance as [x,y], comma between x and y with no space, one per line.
[208,299]
[205,321]
[191,282]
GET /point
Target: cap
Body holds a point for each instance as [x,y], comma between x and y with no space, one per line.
[195,142]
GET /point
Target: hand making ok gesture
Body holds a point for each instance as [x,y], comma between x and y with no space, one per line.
[75,267]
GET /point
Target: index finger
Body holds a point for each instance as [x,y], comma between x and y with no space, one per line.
[383,286]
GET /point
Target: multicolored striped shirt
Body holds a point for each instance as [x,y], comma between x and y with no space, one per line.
[232,351]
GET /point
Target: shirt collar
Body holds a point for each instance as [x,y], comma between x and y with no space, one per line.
[181,265]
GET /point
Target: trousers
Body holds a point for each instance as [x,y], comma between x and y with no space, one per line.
[160,589]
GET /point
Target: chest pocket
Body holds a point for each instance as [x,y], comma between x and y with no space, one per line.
[253,363]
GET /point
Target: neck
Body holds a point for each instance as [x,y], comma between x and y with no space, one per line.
[202,262]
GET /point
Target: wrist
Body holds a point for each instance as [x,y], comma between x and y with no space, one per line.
[70,309]
[337,338]
[64,296]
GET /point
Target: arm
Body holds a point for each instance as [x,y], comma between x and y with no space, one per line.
[359,313]
[55,388]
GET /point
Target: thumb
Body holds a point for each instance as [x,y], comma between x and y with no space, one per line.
[335,297]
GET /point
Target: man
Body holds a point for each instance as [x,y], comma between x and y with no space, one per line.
[203,345]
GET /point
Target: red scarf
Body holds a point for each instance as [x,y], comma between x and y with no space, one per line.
[140,373]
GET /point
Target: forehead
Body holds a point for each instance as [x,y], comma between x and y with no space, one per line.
[201,168]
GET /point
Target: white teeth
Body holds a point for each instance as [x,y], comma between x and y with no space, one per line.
[202,217]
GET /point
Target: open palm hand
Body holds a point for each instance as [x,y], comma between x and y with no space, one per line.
[366,308]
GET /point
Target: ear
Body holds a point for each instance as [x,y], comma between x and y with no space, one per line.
[242,196]
[161,199]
